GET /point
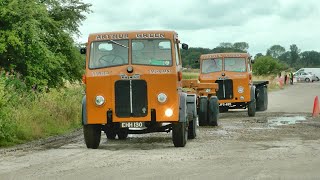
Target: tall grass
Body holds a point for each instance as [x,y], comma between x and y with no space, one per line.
[190,75]
[32,115]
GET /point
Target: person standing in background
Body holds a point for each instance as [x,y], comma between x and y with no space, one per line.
[285,78]
[291,78]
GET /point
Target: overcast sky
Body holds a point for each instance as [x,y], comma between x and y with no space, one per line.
[207,23]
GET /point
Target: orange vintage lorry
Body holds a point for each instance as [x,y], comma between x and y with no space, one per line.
[233,73]
[133,86]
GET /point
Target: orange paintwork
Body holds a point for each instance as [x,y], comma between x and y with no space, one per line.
[103,84]
[243,79]
[201,89]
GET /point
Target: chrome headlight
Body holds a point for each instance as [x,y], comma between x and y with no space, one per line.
[208,90]
[162,97]
[240,89]
[100,100]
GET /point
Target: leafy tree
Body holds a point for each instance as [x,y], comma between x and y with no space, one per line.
[294,54]
[226,45]
[285,57]
[243,46]
[258,55]
[309,59]
[266,65]
[190,56]
[36,40]
[275,51]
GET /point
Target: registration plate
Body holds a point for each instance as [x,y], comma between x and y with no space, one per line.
[132,125]
[225,104]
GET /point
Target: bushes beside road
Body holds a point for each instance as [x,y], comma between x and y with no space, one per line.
[27,114]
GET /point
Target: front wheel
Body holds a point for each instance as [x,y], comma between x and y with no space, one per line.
[92,135]
[203,111]
[179,134]
[252,108]
[213,111]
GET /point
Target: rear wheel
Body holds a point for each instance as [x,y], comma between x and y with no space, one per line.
[252,108]
[203,111]
[110,133]
[192,129]
[179,134]
[262,101]
[213,111]
[123,133]
[92,135]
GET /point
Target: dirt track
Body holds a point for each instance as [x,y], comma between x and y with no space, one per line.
[240,148]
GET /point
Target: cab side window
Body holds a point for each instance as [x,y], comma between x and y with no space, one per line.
[177,54]
[249,67]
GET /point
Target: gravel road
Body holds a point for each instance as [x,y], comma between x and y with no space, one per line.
[281,143]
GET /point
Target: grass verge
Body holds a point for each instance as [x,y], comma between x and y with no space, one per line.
[28,116]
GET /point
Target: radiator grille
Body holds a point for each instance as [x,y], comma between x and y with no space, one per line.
[131,98]
[225,89]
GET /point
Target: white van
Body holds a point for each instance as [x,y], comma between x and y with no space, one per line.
[315,71]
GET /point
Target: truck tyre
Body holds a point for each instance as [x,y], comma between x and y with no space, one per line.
[92,135]
[180,134]
[203,111]
[213,111]
[123,133]
[223,109]
[262,100]
[192,129]
[252,108]
[110,133]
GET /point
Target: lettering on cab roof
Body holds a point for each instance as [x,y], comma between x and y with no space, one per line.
[221,55]
[111,36]
[150,35]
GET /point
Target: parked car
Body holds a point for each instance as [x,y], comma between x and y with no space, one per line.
[303,76]
[315,71]
[314,77]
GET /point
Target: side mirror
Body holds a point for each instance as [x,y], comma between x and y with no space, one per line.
[185,46]
[252,61]
[83,50]
[197,61]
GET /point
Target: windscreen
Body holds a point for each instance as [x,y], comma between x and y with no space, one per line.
[152,52]
[211,65]
[235,64]
[108,53]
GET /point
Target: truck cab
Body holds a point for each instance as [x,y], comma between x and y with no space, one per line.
[233,73]
[133,86]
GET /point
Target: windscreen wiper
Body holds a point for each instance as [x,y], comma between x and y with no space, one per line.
[114,42]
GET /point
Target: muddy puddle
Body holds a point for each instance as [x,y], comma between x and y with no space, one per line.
[279,121]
